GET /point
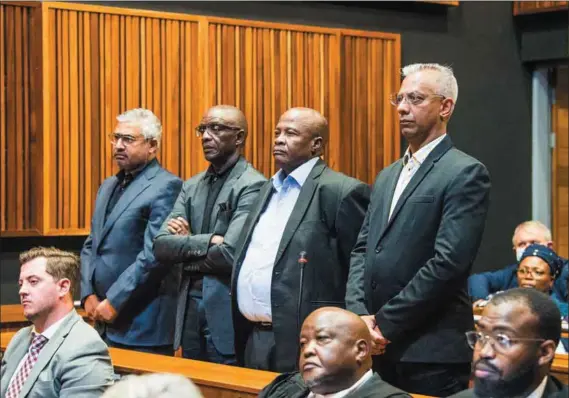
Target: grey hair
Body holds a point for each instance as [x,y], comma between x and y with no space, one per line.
[533,224]
[148,122]
[153,385]
[448,85]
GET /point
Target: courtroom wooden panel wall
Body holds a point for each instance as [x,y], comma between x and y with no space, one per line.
[95,62]
[20,119]
[560,167]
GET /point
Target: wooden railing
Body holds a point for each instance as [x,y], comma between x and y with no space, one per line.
[74,67]
[533,7]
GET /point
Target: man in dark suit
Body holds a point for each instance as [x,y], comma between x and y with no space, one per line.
[202,232]
[409,268]
[335,360]
[308,208]
[123,288]
[482,285]
[514,346]
[59,356]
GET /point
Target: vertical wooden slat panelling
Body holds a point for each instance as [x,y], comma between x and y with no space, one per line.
[560,167]
[97,62]
[370,73]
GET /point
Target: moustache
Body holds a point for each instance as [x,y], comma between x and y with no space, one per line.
[486,365]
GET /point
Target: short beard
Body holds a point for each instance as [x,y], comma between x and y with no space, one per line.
[516,386]
[331,383]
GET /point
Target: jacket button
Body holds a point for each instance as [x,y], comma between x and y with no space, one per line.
[373,285]
[378,249]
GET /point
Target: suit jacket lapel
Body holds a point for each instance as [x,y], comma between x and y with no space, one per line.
[135,188]
[238,169]
[20,349]
[424,169]
[198,205]
[387,195]
[300,207]
[49,350]
[102,203]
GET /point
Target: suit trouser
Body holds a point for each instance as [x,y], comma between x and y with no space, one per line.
[260,349]
[197,341]
[435,379]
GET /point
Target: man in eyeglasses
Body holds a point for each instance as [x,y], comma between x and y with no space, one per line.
[514,346]
[202,232]
[409,267]
[123,288]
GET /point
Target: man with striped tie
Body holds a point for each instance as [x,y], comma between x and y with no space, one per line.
[59,355]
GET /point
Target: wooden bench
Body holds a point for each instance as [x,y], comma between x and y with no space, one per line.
[12,317]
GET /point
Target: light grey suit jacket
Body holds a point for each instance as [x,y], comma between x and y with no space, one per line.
[75,362]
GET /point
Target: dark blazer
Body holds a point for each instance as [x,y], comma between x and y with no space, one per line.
[291,385]
[117,261]
[324,222]
[229,213]
[482,285]
[75,362]
[553,389]
[411,271]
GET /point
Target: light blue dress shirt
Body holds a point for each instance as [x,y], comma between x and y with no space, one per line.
[255,277]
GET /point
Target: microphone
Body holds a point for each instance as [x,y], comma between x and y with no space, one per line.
[302,260]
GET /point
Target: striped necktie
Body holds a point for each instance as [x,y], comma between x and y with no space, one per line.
[38,342]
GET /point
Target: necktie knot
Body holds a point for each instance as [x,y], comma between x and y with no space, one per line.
[38,341]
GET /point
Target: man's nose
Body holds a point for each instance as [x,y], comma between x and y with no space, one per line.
[279,139]
[403,107]
[487,349]
[308,349]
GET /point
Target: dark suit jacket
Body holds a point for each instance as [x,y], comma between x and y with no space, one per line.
[482,285]
[75,362]
[324,222]
[117,261]
[553,389]
[291,385]
[411,271]
[230,210]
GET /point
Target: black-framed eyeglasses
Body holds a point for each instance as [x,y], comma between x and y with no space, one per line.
[214,128]
[126,139]
[411,98]
[499,341]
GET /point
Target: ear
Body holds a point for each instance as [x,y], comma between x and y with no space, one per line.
[546,352]
[153,146]
[317,144]
[64,286]
[550,245]
[240,139]
[447,107]
[362,351]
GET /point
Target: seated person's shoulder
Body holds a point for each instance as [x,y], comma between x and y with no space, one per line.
[284,385]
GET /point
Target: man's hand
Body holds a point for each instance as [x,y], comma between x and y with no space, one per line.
[91,304]
[378,341]
[216,240]
[105,312]
[178,226]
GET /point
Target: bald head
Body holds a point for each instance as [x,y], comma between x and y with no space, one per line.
[335,350]
[309,118]
[229,114]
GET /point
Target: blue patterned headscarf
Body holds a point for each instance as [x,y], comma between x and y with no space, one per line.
[546,254]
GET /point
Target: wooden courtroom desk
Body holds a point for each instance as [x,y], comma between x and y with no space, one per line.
[12,317]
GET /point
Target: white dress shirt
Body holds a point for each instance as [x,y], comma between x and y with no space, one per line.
[538,392]
[411,163]
[345,392]
[255,277]
[48,334]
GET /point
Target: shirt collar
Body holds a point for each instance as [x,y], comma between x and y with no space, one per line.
[422,153]
[298,175]
[225,170]
[367,375]
[538,392]
[50,331]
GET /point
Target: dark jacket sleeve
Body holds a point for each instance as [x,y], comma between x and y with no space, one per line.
[139,272]
[462,222]
[482,285]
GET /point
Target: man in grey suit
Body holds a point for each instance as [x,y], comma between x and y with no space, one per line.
[124,289]
[202,231]
[306,208]
[409,268]
[59,355]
